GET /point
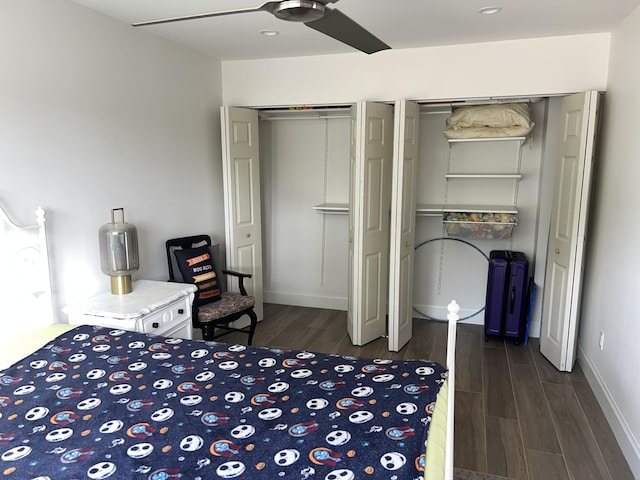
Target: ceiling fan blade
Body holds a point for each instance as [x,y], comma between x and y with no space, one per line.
[267,6]
[337,25]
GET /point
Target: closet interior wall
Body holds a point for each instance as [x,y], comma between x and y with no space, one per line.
[456,266]
[305,162]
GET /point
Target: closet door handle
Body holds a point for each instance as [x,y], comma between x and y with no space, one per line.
[155,324]
[180,311]
[557,251]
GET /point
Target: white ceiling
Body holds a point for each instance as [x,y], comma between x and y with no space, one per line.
[399,23]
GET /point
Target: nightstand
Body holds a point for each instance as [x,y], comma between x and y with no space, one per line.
[159,308]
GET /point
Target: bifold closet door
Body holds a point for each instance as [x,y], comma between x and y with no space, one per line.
[403,222]
[369,198]
[242,210]
[567,235]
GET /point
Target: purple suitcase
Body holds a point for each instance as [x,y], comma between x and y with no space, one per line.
[496,293]
[517,296]
[507,293]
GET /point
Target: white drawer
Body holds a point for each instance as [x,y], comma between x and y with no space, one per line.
[166,318]
[159,308]
[181,330]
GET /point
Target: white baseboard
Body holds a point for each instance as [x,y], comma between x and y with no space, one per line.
[626,439]
[535,328]
[303,300]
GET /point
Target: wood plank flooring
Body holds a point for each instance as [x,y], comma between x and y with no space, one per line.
[516,415]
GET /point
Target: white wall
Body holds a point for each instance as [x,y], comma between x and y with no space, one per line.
[96,115]
[522,67]
[612,285]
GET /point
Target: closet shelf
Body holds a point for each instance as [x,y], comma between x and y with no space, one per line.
[515,176]
[332,208]
[510,209]
[425,210]
[488,139]
[433,210]
[480,221]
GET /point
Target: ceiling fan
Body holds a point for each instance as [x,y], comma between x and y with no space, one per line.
[314,14]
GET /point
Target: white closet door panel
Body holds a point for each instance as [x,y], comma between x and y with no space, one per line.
[241,180]
[373,206]
[372,276]
[403,222]
[352,314]
[370,189]
[557,282]
[244,201]
[567,236]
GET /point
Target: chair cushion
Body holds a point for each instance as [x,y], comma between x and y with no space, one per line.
[229,303]
[196,266]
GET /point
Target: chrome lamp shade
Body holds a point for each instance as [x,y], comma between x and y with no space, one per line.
[119,253]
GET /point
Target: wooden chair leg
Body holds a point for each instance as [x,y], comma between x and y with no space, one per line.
[208,331]
[252,327]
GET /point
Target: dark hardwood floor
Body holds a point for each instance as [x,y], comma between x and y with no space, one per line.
[516,415]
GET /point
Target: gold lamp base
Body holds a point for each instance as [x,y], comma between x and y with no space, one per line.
[121,285]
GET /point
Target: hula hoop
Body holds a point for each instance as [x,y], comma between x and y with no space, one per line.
[451,240]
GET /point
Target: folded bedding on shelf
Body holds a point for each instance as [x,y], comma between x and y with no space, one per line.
[490,121]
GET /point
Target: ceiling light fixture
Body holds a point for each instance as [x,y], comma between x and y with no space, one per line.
[489,10]
[269,33]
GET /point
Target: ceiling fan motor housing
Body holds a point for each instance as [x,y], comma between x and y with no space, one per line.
[299,10]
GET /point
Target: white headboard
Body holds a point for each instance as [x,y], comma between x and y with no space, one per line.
[25,281]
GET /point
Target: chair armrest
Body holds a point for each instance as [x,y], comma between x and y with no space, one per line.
[240,277]
[237,274]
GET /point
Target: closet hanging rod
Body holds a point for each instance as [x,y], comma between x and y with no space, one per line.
[302,117]
[313,113]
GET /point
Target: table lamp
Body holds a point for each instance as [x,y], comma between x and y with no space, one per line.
[119,253]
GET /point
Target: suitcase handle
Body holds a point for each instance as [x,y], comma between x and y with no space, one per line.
[512,300]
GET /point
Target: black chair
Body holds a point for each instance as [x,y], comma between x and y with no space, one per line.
[230,307]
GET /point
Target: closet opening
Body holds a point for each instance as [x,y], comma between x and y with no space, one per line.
[304,193]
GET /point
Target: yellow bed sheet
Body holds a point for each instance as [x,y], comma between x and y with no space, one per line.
[15,349]
[436,441]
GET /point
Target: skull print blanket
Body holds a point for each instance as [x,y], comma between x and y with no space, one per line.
[102,403]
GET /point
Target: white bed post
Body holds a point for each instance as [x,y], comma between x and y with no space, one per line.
[44,255]
[453,317]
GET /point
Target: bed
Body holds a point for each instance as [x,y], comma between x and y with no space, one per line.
[96,402]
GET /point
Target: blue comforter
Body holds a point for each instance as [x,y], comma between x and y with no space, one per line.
[101,403]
